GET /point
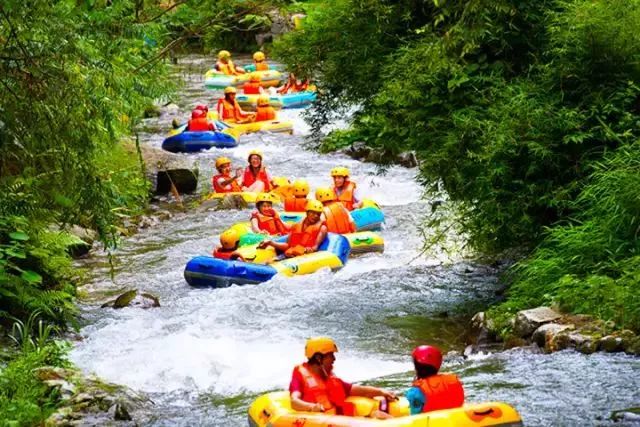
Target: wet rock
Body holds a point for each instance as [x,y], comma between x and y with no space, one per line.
[633,346]
[47,373]
[527,321]
[171,109]
[125,299]
[408,159]
[582,343]
[377,156]
[544,335]
[610,344]
[513,342]
[148,221]
[481,329]
[133,298]
[232,201]
[358,150]
[184,180]
[163,215]
[629,414]
[121,413]
[151,111]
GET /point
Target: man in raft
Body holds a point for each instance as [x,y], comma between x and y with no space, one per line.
[260,61]
[314,387]
[229,110]
[336,215]
[345,189]
[430,390]
[306,236]
[225,64]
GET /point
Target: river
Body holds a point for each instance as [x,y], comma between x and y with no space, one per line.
[205,354]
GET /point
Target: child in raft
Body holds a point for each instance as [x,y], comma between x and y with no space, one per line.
[229,243]
[265,220]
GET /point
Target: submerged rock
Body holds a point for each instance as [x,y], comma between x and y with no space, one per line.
[527,321]
[134,299]
[232,201]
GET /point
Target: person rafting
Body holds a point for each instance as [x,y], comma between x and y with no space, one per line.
[264,219]
[253,87]
[336,216]
[298,201]
[255,177]
[224,182]
[315,388]
[305,237]
[260,61]
[199,122]
[225,64]
[430,390]
[293,85]
[229,109]
[229,243]
[264,112]
[345,189]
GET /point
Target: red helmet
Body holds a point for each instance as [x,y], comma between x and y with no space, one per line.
[198,114]
[202,107]
[427,355]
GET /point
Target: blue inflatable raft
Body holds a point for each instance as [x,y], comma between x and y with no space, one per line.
[184,141]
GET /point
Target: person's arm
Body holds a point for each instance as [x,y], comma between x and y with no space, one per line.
[255,227]
[300,405]
[276,245]
[321,236]
[357,201]
[369,391]
[224,182]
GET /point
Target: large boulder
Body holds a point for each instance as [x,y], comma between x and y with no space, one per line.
[544,335]
[527,321]
[185,181]
[408,159]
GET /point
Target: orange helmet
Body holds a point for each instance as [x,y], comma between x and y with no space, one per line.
[322,345]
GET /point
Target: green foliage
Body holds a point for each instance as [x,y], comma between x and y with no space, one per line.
[24,399]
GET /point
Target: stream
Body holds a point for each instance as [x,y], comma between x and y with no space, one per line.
[205,354]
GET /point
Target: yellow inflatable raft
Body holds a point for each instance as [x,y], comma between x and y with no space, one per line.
[237,129]
[214,79]
[274,410]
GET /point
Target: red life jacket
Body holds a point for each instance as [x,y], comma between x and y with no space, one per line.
[262,66]
[251,88]
[265,113]
[346,197]
[442,391]
[271,224]
[338,219]
[249,178]
[229,69]
[222,253]
[295,204]
[200,125]
[329,393]
[233,187]
[306,238]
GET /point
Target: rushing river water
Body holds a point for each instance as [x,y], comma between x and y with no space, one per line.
[207,353]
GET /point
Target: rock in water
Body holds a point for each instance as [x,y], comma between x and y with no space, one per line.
[232,201]
[125,299]
[121,413]
[527,321]
[134,299]
[185,181]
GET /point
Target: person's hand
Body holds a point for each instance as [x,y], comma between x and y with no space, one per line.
[317,408]
[238,173]
[389,395]
[264,244]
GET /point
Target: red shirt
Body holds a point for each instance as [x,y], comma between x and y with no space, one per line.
[297,384]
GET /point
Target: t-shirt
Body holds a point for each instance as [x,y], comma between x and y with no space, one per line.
[416,399]
[297,384]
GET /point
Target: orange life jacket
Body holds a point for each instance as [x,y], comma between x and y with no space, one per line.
[338,219]
[222,253]
[295,204]
[442,391]
[229,111]
[306,238]
[329,393]
[271,224]
[265,113]
[262,66]
[251,88]
[249,178]
[346,197]
[200,125]
[229,69]
[229,188]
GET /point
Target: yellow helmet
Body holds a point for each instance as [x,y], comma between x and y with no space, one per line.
[314,206]
[224,54]
[300,188]
[263,100]
[325,194]
[229,239]
[340,171]
[221,161]
[322,345]
[230,89]
[258,56]
[280,181]
[256,152]
[264,197]
[255,77]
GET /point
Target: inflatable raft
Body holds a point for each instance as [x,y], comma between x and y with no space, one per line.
[290,100]
[274,410]
[183,141]
[360,242]
[218,273]
[215,80]
[242,128]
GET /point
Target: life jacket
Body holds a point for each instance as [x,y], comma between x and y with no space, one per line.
[442,391]
[271,224]
[229,69]
[265,113]
[222,253]
[199,125]
[249,178]
[262,66]
[329,393]
[346,197]
[228,111]
[306,238]
[251,88]
[300,87]
[338,219]
[233,187]
[295,204]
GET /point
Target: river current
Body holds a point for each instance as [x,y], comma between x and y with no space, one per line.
[205,354]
